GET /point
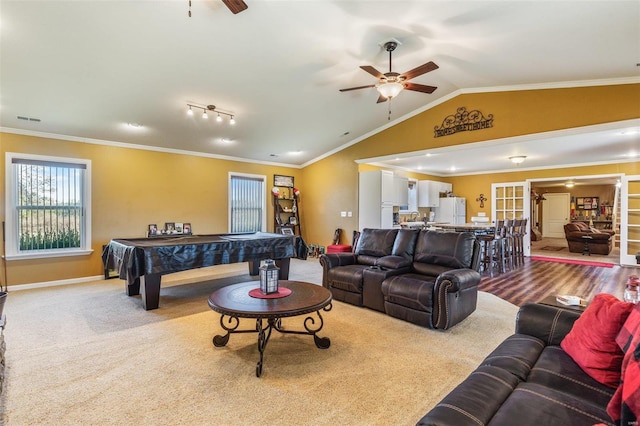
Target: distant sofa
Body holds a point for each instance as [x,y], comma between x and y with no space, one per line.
[598,241]
[429,278]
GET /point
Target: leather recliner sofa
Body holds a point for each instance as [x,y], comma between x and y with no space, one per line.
[426,277]
[528,380]
[579,233]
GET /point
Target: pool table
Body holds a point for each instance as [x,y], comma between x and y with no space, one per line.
[143,261]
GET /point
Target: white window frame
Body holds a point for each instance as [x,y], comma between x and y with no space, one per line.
[263,178]
[12,251]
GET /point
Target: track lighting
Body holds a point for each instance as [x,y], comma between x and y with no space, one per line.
[212,108]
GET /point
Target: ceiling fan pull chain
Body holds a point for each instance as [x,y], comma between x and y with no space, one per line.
[189,8]
[389,117]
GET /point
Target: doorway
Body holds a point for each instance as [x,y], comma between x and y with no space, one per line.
[579,188]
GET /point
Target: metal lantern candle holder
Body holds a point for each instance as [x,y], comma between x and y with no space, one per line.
[269,274]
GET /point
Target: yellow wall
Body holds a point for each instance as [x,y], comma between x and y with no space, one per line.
[132,188]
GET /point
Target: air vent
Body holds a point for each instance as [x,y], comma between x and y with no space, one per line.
[21,117]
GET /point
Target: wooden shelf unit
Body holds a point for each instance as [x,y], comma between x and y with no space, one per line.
[286,213]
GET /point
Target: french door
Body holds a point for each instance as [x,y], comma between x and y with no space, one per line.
[629,220]
[512,201]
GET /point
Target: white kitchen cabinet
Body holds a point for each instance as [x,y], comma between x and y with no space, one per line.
[400,191]
[429,192]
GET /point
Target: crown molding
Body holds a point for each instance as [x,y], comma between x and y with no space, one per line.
[141,147]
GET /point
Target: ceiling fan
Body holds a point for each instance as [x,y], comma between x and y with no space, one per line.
[390,84]
[235,6]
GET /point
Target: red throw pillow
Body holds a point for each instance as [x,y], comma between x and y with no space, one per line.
[592,340]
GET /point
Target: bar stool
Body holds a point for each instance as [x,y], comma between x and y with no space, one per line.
[492,250]
[519,234]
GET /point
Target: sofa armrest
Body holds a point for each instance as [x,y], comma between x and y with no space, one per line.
[456,280]
[331,260]
[548,323]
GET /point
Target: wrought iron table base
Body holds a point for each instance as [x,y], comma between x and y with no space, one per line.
[264,332]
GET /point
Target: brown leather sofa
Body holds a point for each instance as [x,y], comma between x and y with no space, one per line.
[579,233]
[528,380]
[429,278]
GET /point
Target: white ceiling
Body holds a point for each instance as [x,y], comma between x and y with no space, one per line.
[87,68]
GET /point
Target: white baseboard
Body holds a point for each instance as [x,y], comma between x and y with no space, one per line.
[55,283]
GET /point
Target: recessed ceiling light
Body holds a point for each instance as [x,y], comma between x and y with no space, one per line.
[134,125]
[295,152]
[569,184]
[226,140]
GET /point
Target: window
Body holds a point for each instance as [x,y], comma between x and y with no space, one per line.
[247,206]
[48,200]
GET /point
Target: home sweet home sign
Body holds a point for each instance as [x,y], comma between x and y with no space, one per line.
[463,121]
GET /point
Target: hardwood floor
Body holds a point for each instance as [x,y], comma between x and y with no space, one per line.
[537,279]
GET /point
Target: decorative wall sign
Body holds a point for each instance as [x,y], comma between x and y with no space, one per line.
[463,121]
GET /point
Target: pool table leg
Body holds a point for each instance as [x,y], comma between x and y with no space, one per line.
[150,291]
[132,288]
[283,264]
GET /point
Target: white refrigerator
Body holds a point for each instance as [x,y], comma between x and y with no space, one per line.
[451,210]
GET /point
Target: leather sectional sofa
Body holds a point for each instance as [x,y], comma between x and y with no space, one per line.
[529,380]
[429,278]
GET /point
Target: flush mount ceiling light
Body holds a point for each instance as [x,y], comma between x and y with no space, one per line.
[517,159]
[213,109]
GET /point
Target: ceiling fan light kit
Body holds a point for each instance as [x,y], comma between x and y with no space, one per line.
[390,84]
[212,108]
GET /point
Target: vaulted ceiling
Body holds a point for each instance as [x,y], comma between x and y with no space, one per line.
[93,70]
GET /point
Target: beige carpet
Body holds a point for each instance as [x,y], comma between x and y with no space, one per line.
[88,354]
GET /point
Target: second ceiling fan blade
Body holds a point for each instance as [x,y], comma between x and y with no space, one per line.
[356,88]
[371,70]
[235,6]
[422,69]
[419,87]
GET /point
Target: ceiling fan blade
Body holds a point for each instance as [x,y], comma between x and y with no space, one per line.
[381,99]
[419,87]
[356,88]
[422,69]
[371,70]
[235,6]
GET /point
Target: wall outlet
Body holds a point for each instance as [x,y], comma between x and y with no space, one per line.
[349,214]
[343,214]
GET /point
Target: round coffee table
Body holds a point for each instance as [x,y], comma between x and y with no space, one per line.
[234,302]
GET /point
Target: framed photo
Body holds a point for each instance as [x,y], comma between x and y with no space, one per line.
[169,228]
[178,227]
[152,230]
[280,180]
[287,231]
[186,228]
[293,220]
